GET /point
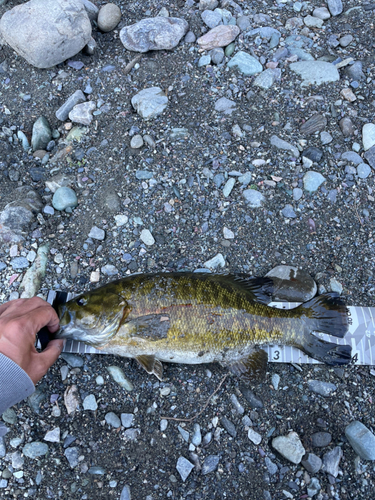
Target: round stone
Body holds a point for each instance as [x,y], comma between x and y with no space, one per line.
[363,171]
[109,16]
[64,198]
[136,142]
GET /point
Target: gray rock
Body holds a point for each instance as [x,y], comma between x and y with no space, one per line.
[63,29]
[345,40]
[211,18]
[243,22]
[118,376]
[132,434]
[267,78]
[64,198]
[147,237]
[354,71]
[323,388]
[245,63]
[89,403]
[335,7]
[96,233]
[150,102]
[3,449]
[82,113]
[229,185]
[321,13]
[331,461]
[184,468]
[109,16]
[312,463]
[196,438]
[154,33]
[347,127]
[136,141]
[91,9]
[190,37]
[363,171]
[224,105]
[271,467]
[288,212]
[335,285]
[254,198]
[314,124]
[228,426]
[368,136]
[292,284]
[315,72]
[314,487]
[19,263]
[297,194]
[63,112]
[204,61]
[35,449]
[9,416]
[109,270]
[73,360]
[215,262]
[208,4]
[53,436]
[325,137]
[321,439]
[90,47]
[184,433]
[352,157]
[41,134]
[361,439]
[17,460]
[125,493]
[312,181]
[71,455]
[254,436]
[210,464]
[275,381]
[221,36]
[281,144]
[369,155]
[113,420]
[290,447]
[127,419]
[217,55]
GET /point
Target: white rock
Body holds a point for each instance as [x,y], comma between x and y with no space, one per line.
[254,437]
[368,136]
[215,262]
[147,237]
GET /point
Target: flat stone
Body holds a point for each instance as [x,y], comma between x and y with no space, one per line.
[73,360]
[335,7]
[208,4]
[64,198]
[313,22]
[281,144]
[312,463]
[288,212]
[290,447]
[35,449]
[127,420]
[224,105]
[63,112]
[321,439]
[313,153]
[204,61]
[184,468]
[53,436]
[245,63]
[109,16]
[125,493]
[71,455]
[215,262]
[323,388]
[147,237]
[82,113]
[109,270]
[184,433]
[321,13]
[314,124]
[210,464]
[345,40]
[312,181]
[89,403]
[96,233]
[331,461]
[254,198]
[325,138]
[352,157]
[254,436]
[361,439]
[267,78]
[229,426]
[292,284]
[211,18]
[150,102]
[46,32]
[19,263]
[221,36]
[363,171]
[118,376]
[368,136]
[315,72]
[347,127]
[229,185]
[154,33]
[113,420]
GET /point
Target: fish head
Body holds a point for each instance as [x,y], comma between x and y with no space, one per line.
[93,317]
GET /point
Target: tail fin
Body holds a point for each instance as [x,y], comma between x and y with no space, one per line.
[327,314]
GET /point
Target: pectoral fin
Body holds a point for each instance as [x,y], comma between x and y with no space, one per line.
[251,367]
[151,365]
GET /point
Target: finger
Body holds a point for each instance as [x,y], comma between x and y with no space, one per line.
[51,352]
[34,320]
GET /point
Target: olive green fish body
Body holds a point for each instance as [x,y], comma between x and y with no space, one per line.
[194,318]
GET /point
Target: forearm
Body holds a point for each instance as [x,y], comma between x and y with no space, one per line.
[15,384]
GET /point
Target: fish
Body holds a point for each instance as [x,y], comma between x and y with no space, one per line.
[194,318]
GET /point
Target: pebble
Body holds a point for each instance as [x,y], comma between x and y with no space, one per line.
[315,72]
[184,468]
[163,424]
[331,461]
[136,142]
[321,439]
[35,449]
[150,102]
[108,17]
[314,124]
[53,436]
[64,198]
[147,237]
[19,263]
[109,270]
[215,262]
[227,189]
[312,463]
[314,487]
[210,464]
[89,403]
[281,144]
[335,285]
[154,33]
[368,136]
[290,447]
[321,13]
[363,171]
[112,420]
[82,113]
[211,18]
[196,438]
[71,399]
[184,433]
[118,376]
[297,194]
[62,113]
[96,233]
[228,426]
[347,127]
[217,55]
[221,36]
[72,359]
[127,420]
[322,388]
[71,455]
[361,439]
[288,212]
[125,493]
[2,447]
[275,381]
[99,380]
[224,105]
[254,198]
[312,181]
[254,436]
[41,134]
[245,63]
[325,137]
[237,405]
[335,7]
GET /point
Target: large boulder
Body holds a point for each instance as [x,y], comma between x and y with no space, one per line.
[46,32]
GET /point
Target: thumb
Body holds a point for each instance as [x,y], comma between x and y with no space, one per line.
[51,352]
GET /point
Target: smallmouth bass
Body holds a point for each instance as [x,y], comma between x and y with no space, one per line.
[193,318]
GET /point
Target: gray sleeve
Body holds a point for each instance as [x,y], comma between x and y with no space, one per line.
[15,384]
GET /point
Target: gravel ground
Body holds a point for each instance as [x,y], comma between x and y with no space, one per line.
[173,204]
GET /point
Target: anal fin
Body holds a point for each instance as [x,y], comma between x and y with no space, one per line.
[251,367]
[151,365]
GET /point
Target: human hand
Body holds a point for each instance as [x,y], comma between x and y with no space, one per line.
[20,320]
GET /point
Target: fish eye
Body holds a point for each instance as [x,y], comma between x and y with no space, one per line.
[81,301]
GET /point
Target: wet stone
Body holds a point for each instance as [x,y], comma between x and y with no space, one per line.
[184,468]
[210,464]
[322,388]
[321,439]
[292,284]
[312,463]
[361,439]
